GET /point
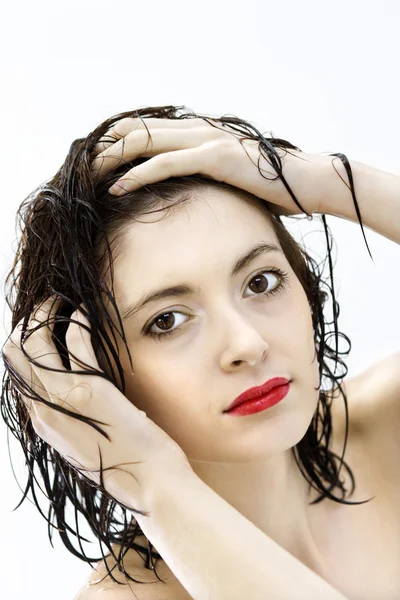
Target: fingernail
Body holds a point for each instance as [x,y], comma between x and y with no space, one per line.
[117,189]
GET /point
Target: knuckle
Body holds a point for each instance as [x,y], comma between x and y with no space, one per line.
[82,392]
[15,338]
[125,125]
[223,144]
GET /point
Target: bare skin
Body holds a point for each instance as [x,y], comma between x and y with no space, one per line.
[361,543]
[231,343]
[231,337]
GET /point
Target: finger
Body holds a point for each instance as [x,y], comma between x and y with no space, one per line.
[128,124]
[79,343]
[19,363]
[60,390]
[40,347]
[161,167]
[60,383]
[138,143]
[14,352]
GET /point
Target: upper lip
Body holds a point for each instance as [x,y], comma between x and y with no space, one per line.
[257,392]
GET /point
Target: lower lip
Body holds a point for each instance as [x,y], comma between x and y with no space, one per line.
[259,404]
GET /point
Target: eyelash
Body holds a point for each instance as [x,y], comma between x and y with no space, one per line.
[283,276]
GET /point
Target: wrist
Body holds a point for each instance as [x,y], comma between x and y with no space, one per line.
[326,183]
[163,480]
[311,176]
[377,194]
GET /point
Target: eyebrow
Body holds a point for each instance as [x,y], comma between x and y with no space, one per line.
[184,289]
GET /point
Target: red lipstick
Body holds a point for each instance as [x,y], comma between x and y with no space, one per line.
[259,398]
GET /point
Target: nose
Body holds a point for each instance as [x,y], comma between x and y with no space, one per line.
[243,343]
[251,363]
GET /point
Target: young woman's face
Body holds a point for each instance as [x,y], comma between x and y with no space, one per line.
[194,353]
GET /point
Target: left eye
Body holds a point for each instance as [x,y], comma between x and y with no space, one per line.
[259,277]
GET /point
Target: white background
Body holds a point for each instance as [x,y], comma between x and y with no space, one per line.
[323,75]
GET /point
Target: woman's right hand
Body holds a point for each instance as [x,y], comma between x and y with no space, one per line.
[144,451]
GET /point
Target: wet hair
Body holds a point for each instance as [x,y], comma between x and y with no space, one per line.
[70,228]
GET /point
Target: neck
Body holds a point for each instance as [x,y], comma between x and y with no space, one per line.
[273,495]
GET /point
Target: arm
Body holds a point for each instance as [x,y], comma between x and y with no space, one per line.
[377,194]
[217,553]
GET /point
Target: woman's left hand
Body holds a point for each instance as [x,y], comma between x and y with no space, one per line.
[180,147]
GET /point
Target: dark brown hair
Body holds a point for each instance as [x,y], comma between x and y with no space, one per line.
[70,229]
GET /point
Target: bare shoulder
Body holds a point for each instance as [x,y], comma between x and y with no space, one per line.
[100,585]
[377,391]
[373,395]
[374,418]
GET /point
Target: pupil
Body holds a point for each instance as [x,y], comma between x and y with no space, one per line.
[259,277]
[171,319]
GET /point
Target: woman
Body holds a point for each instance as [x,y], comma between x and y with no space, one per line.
[209,294]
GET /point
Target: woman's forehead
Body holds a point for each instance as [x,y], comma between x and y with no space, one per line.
[220,218]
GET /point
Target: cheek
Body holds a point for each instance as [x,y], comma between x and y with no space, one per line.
[298,334]
[175,403]
[310,351]
[159,388]
[296,326]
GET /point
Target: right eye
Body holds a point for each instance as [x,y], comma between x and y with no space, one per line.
[160,320]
